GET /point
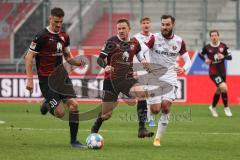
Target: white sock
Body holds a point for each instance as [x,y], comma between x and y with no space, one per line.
[149,114]
[162,125]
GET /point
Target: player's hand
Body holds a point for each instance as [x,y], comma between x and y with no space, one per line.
[179,70]
[108,69]
[82,63]
[146,65]
[29,85]
[208,61]
[135,75]
[220,56]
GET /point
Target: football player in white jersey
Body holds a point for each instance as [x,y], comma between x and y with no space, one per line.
[144,37]
[165,48]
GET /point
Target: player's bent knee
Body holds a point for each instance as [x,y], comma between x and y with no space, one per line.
[74,107]
[59,114]
[165,106]
[155,109]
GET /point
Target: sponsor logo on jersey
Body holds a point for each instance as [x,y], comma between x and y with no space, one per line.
[62,38]
[170,54]
[132,46]
[221,49]
[174,47]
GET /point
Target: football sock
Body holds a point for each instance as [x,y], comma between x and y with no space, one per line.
[73,124]
[97,124]
[149,114]
[225,99]
[215,99]
[162,125]
[142,113]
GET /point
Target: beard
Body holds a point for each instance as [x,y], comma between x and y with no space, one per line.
[167,34]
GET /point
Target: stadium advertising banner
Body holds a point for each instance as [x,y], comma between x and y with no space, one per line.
[193,88]
[13,88]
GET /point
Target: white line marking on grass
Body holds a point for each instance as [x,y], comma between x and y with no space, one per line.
[122,131]
[2,122]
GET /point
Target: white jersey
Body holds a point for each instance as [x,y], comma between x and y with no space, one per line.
[165,52]
[142,39]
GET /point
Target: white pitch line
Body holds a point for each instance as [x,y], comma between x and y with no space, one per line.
[122,131]
[2,122]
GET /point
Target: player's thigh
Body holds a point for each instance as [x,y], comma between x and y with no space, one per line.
[59,111]
[72,104]
[51,97]
[223,87]
[217,80]
[109,93]
[138,91]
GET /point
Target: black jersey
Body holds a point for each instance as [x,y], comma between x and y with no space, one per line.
[120,56]
[50,49]
[217,67]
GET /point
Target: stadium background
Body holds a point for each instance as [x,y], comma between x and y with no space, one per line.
[90,22]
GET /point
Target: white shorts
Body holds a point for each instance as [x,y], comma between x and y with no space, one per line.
[164,93]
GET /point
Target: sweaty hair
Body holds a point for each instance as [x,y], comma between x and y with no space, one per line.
[124,20]
[145,19]
[213,31]
[57,12]
[166,16]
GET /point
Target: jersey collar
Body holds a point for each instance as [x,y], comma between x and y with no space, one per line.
[48,28]
[215,45]
[123,40]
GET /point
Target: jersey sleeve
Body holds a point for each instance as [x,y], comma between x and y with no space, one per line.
[108,47]
[67,43]
[226,50]
[204,51]
[183,48]
[37,43]
[151,41]
[227,53]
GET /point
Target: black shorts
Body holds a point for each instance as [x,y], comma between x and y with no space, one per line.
[218,79]
[112,88]
[52,96]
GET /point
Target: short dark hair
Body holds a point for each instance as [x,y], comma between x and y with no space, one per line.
[145,18]
[166,16]
[57,12]
[124,20]
[213,31]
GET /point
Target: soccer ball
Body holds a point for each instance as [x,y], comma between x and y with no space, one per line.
[95,141]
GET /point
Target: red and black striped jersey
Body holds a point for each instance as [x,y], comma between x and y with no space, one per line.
[217,67]
[120,56]
[50,48]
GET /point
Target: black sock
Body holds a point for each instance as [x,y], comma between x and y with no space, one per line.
[97,124]
[225,99]
[73,124]
[215,99]
[142,113]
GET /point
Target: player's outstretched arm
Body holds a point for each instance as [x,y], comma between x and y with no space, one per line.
[72,60]
[28,65]
[187,64]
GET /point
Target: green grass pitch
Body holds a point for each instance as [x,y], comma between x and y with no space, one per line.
[192,135]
